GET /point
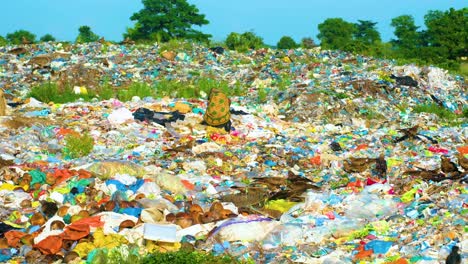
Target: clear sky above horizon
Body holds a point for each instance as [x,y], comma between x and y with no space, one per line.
[270,19]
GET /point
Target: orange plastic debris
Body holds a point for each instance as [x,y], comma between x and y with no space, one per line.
[463,150]
[399,261]
[14,237]
[93,221]
[315,160]
[363,254]
[76,231]
[51,245]
[362,146]
[188,184]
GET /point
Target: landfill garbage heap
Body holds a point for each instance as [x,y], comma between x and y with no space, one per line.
[327,160]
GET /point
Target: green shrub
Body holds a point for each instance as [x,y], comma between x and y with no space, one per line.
[243,42]
[47,38]
[186,257]
[17,37]
[308,43]
[286,42]
[86,35]
[77,146]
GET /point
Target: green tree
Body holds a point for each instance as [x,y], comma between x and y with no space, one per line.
[243,42]
[286,42]
[335,33]
[86,35]
[3,41]
[47,38]
[164,20]
[366,32]
[308,43]
[20,36]
[447,32]
[408,38]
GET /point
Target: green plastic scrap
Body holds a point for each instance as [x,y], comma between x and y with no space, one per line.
[37,177]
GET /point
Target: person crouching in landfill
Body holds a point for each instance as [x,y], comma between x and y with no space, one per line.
[218,110]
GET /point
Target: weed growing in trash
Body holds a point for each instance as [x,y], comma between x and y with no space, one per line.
[176,45]
[370,114]
[441,112]
[130,255]
[51,92]
[262,94]
[78,146]
[139,89]
[186,257]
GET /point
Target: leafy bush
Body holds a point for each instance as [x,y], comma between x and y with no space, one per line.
[86,35]
[18,36]
[186,257]
[47,38]
[308,43]
[243,42]
[286,42]
[78,145]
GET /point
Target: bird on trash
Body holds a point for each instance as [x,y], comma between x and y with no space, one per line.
[447,166]
[454,257]
[335,146]
[381,166]
[272,183]
[355,165]
[408,133]
[25,41]
[412,133]
[296,186]
[433,175]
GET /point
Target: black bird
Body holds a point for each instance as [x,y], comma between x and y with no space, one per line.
[335,146]
[381,166]
[437,100]
[454,257]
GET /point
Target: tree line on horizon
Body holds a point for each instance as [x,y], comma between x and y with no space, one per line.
[443,42]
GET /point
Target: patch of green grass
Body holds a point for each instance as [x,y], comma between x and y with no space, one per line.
[195,88]
[141,90]
[332,93]
[283,83]
[371,114]
[186,257]
[176,45]
[464,69]
[77,146]
[441,112]
[51,92]
[262,94]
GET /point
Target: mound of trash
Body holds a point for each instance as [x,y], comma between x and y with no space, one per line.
[328,159]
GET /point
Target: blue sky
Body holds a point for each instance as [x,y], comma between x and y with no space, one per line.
[270,19]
